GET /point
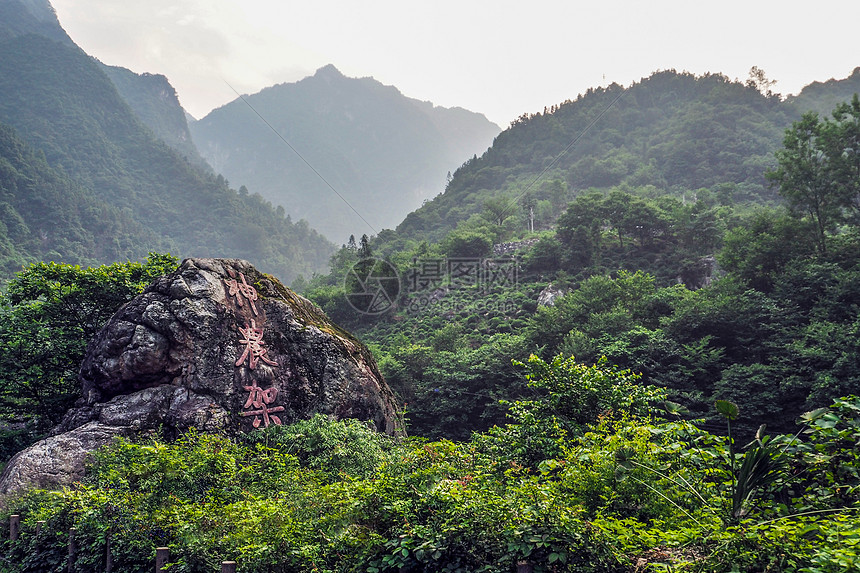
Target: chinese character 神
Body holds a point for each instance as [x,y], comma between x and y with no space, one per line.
[253,341]
[260,399]
[237,289]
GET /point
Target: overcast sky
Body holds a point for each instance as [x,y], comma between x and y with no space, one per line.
[501,58]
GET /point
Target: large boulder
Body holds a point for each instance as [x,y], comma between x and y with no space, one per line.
[216,345]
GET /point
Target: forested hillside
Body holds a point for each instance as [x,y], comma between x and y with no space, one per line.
[382,152]
[625,339]
[30,17]
[671,133]
[647,211]
[45,215]
[822,97]
[744,290]
[155,103]
[62,104]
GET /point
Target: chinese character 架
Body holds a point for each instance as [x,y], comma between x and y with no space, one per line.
[254,346]
[260,399]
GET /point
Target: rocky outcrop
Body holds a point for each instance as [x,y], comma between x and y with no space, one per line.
[56,460]
[548,295]
[699,273]
[216,345]
[500,249]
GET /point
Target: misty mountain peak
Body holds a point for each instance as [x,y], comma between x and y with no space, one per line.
[329,72]
[381,150]
[21,17]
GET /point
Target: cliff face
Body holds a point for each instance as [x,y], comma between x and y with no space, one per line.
[216,345]
[155,103]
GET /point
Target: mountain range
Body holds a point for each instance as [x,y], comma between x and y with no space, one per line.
[108,153]
[349,155]
[98,163]
[670,133]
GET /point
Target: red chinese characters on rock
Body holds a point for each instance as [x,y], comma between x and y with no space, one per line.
[254,346]
[261,399]
[243,289]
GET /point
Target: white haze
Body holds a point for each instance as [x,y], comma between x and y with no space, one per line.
[498,57]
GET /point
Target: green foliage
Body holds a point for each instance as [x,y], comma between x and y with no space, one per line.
[454,391]
[621,230]
[544,255]
[623,491]
[45,215]
[570,396]
[467,244]
[764,248]
[120,192]
[580,478]
[672,131]
[346,447]
[49,313]
[438,506]
[818,169]
[576,394]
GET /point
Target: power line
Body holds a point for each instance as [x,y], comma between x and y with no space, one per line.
[300,156]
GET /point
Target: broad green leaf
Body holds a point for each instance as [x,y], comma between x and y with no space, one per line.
[727,409]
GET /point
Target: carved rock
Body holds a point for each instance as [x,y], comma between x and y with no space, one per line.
[168,359]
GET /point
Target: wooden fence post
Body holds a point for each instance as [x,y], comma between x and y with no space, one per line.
[14,526]
[73,548]
[524,567]
[108,556]
[228,567]
[39,525]
[162,556]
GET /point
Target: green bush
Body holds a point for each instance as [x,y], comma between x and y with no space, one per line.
[334,447]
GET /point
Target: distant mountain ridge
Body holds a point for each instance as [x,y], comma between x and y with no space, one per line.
[670,133]
[66,109]
[20,17]
[383,152]
[822,97]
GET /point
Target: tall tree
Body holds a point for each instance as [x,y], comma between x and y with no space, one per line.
[48,315]
[804,174]
[498,209]
[843,146]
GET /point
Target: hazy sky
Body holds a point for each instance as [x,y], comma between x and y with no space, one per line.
[500,58]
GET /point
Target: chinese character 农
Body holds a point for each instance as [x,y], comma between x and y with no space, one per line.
[253,341]
[242,289]
[260,399]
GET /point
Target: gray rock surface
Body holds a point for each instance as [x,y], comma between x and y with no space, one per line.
[56,460]
[216,345]
[548,295]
